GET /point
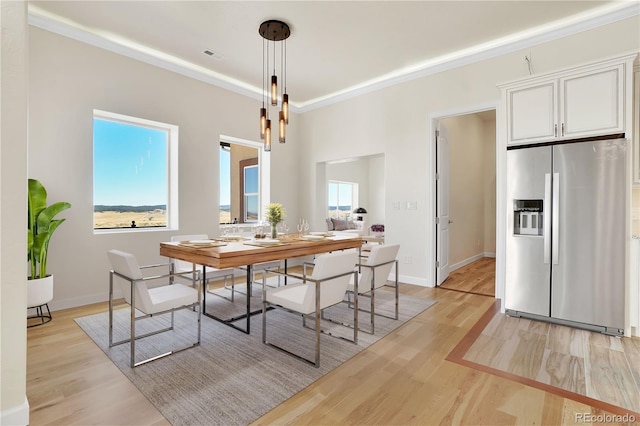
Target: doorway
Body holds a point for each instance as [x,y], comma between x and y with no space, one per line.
[466,202]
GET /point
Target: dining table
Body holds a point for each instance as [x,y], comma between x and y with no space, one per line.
[239,252]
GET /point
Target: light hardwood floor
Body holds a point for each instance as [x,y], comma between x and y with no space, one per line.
[579,361]
[402,379]
[477,277]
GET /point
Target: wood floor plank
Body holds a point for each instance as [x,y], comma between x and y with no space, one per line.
[404,378]
[477,277]
[611,378]
[564,371]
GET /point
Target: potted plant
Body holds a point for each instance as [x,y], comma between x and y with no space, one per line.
[41,227]
[274,215]
[377,230]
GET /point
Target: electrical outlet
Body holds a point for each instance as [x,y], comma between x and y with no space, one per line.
[396,205]
[408,259]
[478,243]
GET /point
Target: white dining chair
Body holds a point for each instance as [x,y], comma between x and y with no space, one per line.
[152,296]
[325,287]
[373,274]
[211,274]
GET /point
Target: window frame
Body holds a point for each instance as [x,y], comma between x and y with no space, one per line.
[354,197]
[172,170]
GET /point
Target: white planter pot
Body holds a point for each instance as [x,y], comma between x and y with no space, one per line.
[39,294]
[39,291]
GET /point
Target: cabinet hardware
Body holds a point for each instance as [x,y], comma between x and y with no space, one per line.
[555,130]
[563,129]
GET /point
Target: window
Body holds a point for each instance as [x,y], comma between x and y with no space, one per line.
[242,177]
[133,181]
[342,197]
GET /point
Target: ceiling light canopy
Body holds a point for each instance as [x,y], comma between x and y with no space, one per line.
[274,31]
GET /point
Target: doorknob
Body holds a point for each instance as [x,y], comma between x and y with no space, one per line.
[450,221]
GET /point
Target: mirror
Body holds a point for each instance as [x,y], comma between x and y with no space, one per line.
[239,183]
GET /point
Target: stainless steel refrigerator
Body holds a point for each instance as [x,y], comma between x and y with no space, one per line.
[566,233]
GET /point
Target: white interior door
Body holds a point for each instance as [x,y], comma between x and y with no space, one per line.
[442,204]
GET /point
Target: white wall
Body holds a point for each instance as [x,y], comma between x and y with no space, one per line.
[376,205]
[396,121]
[14,408]
[68,79]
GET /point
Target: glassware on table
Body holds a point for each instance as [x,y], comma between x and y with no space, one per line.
[300,226]
[306,227]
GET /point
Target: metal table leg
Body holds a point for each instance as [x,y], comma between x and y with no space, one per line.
[230,321]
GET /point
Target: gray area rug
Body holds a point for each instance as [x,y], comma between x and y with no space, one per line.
[232,378]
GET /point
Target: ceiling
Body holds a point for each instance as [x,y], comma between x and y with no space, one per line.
[336,47]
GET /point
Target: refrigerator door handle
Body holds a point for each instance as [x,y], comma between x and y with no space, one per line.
[546,227]
[556,218]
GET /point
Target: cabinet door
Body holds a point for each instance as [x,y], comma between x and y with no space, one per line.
[532,113]
[592,103]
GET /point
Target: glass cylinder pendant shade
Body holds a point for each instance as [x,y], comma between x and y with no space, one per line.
[263,121]
[274,90]
[267,136]
[285,108]
[281,127]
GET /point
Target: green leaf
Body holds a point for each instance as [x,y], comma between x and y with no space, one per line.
[45,217]
[37,198]
[41,226]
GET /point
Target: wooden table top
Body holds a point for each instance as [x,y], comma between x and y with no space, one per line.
[241,253]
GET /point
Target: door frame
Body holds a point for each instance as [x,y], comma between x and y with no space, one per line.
[500,189]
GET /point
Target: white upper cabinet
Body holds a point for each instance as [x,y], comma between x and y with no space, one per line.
[532,112]
[592,103]
[574,103]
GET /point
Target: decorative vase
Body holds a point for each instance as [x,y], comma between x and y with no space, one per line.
[274,230]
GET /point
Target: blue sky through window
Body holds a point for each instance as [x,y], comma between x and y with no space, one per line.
[225,177]
[129,164]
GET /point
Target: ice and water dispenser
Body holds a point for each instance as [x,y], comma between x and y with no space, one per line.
[527,217]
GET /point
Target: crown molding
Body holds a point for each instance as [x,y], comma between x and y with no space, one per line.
[552,31]
[58,25]
[481,52]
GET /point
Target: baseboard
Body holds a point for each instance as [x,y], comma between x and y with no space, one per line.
[465,262]
[472,259]
[406,279]
[74,302]
[16,416]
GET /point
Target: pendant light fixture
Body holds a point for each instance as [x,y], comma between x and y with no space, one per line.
[274,31]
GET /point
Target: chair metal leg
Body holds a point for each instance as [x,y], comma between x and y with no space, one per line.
[318,312]
[373,301]
[132,319]
[110,308]
[132,336]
